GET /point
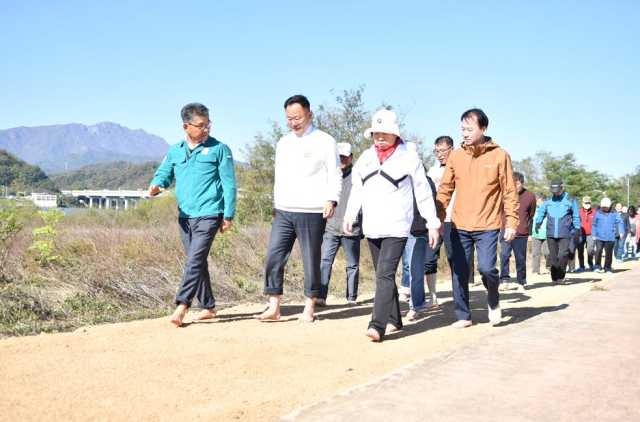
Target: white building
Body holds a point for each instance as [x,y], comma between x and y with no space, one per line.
[44,200]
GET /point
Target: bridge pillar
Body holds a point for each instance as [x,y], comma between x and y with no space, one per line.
[126,204]
[91,202]
[107,202]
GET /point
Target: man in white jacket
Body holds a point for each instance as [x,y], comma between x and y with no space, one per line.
[308,182]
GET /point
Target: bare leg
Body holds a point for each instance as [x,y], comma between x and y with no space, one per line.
[178,314]
[309,307]
[273,313]
[372,334]
[206,314]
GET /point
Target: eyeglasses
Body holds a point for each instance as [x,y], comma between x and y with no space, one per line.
[440,151]
[201,127]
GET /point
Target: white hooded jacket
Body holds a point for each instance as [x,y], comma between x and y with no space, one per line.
[385,193]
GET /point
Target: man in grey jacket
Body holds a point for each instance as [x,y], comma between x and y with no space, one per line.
[334,237]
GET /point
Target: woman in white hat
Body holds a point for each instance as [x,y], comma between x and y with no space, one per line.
[385,179]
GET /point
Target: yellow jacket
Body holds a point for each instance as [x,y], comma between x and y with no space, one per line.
[482,177]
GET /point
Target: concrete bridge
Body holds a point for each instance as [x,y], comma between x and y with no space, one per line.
[108,198]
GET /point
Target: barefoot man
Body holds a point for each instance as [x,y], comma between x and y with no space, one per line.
[206,192]
[308,182]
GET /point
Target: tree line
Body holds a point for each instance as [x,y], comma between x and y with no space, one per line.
[347,117]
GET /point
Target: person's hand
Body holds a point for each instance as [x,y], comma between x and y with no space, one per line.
[226,225]
[327,210]
[621,236]
[154,190]
[434,236]
[530,238]
[273,213]
[509,234]
[441,229]
[593,237]
[347,226]
[580,239]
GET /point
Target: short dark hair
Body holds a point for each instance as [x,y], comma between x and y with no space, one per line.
[191,110]
[631,211]
[481,117]
[518,176]
[298,99]
[444,140]
[541,196]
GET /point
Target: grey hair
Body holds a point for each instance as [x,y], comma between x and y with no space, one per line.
[193,109]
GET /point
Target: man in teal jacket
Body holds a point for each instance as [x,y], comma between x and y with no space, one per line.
[206,192]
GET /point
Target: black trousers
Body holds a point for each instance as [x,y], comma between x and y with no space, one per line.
[558,256]
[386,253]
[608,257]
[287,226]
[197,235]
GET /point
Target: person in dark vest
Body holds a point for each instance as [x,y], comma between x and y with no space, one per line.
[335,237]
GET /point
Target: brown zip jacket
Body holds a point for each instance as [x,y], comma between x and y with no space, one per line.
[482,177]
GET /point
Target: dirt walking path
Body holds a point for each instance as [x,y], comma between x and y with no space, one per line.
[236,368]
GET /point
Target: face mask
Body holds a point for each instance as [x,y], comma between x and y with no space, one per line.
[587,206]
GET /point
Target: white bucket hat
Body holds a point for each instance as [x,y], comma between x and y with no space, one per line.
[384,121]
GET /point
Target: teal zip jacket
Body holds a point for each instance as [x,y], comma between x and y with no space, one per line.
[205,178]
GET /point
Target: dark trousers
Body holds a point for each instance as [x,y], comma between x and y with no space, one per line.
[519,247]
[433,254]
[386,253]
[486,244]
[608,256]
[558,256]
[197,235]
[287,226]
[351,248]
[587,241]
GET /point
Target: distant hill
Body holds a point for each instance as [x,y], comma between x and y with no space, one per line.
[60,148]
[17,174]
[113,175]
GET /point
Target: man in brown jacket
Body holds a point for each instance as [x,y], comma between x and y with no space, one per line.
[482,175]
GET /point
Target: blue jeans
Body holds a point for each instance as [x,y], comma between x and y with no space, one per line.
[629,247]
[351,247]
[618,248]
[413,258]
[486,244]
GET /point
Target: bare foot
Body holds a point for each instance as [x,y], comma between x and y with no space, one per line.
[372,334]
[268,315]
[307,313]
[463,323]
[206,314]
[273,313]
[391,329]
[178,314]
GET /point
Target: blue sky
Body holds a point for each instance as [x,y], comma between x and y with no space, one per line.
[556,75]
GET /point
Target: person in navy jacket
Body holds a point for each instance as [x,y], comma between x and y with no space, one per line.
[603,232]
[563,222]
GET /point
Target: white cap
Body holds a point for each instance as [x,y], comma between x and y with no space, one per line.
[384,121]
[606,202]
[625,209]
[345,149]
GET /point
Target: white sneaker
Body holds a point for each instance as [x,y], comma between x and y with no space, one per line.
[403,298]
[495,315]
[560,281]
[521,288]
[352,303]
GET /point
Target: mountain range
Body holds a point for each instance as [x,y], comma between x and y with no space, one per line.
[60,148]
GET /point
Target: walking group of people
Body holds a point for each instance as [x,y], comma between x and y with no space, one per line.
[471,201]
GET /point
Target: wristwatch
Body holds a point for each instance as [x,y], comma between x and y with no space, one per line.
[335,203]
[228,218]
